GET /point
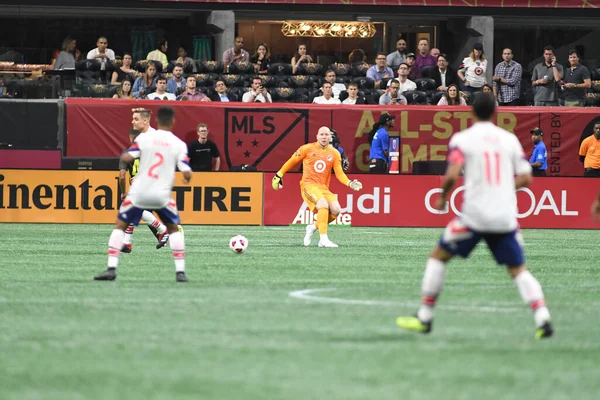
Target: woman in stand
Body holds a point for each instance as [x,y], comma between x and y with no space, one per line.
[125,71]
[124,91]
[146,81]
[260,59]
[300,57]
[472,71]
[452,98]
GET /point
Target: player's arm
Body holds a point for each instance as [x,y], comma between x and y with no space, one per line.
[183,164]
[277,181]
[583,150]
[456,160]
[131,154]
[341,175]
[122,182]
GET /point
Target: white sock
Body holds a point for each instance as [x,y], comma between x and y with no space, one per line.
[532,294]
[128,233]
[324,237]
[431,287]
[177,244]
[150,220]
[115,242]
[313,227]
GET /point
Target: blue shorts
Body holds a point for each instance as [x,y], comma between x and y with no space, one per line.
[460,240]
[131,215]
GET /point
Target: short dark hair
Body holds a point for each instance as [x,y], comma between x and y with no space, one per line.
[190,76]
[255,77]
[165,115]
[353,84]
[160,43]
[443,55]
[328,71]
[381,54]
[484,106]
[403,63]
[394,81]
[573,51]
[178,65]
[161,78]
[549,48]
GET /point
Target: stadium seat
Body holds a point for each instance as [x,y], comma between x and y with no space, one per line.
[233,79]
[268,81]
[415,97]
[283,94]
[375,94]
[301,95]
[436,97]
[204,80]
[425,84]
[301,81]
[360,69]
[364,83]
[341,69]
[309,69]
[426,71]
[343,95]
[87,72]
[241,67]
[211,66]
[188,67]
[280,69]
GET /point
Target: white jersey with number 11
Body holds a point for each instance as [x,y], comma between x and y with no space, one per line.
[160,152]
[491,157]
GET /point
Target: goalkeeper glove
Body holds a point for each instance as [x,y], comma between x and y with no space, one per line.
[345,164]
[355,185]
[277,182]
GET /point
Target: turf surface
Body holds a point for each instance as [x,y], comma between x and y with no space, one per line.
[235,332]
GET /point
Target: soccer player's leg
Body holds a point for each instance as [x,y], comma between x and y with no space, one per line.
[310,195]
[128,215]
[127,247]
[158,229]
[457,240]
[508,250]
[170,216]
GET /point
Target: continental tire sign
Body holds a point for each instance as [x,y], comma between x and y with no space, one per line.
[94,197]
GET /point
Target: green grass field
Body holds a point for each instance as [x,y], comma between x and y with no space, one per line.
[252,326]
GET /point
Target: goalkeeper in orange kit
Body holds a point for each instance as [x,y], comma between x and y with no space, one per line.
[318,159]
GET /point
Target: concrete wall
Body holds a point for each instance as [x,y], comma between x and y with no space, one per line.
[224,20]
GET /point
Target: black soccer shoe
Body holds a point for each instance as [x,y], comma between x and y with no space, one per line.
[163,238]
[126,248]
[544,331]
[180,277]
[154,231]
[109,275]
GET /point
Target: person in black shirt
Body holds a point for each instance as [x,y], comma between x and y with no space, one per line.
[202,151]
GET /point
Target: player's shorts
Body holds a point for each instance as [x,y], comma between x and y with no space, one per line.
[313,193]
[507,248]
[131,215]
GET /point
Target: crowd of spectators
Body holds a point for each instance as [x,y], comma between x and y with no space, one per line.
[399,78]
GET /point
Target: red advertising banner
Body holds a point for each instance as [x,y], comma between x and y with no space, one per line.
[266,135]
[408,201]
[422,3]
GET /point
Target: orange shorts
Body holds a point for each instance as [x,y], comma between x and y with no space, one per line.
[313,193]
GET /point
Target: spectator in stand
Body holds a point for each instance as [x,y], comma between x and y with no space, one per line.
[443,75]
[488,89]
[221,93]
[327,97]
[435,52]
[261,59]
[357,56]
[539,157]
[545,76]
[423,59]
[77,54]
[125,71]
[161,90]
[65,59]
[160,54]
[257,92]
[337,88]
[353,95]
[176,83]
[413,71]
[452,97]
[405,83]
[507,80]
[184,60]
[190,93]
[472,70]
[101,51]
[300,57]
[145,83]
[124,91]
[235,53]
[393,96]
[577,80]
[380,71]
[397,57]
[203,151]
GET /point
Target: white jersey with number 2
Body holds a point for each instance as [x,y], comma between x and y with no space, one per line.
[491,158]
[159,153]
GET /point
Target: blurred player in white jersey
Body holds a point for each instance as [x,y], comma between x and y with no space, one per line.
[160,152]
[158,229]
[494,167]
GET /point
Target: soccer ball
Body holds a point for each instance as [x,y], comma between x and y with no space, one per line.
[238,244]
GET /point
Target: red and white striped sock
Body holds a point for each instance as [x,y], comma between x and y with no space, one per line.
[532,294]
[115,242]
[431,287]
[177,244]
[128,233]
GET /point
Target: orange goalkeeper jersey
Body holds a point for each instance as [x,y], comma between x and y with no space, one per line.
[317,163]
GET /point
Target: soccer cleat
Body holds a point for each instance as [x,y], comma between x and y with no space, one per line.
[180,277]
[413,324]
[310,231]
[109,275]
[544,331]
[126,248]
[326,243]
[154,231]
[163,238]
